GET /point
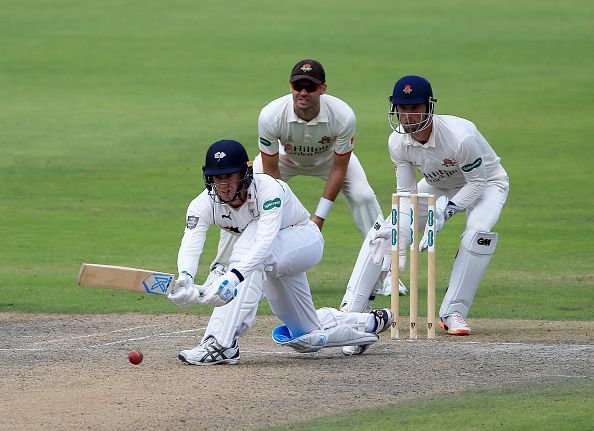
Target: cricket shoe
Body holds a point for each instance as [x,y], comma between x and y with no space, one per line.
[383,320]
[454,324]
[209,352]
[386,289]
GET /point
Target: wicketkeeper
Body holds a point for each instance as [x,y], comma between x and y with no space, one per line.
[276,244]
[459,167]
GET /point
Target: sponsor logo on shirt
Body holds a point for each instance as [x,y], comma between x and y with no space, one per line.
[274,203]
[303,150]
[231,229]
[437,176]
[192,222]
[469,167]
[448,163]
[265,142]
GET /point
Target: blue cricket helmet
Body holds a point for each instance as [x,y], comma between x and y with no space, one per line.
[225,157]
[412,90]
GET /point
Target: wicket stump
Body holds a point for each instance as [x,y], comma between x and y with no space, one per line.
[414,262]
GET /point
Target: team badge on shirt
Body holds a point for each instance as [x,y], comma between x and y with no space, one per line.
[192,222]
[448,163]
[325,140]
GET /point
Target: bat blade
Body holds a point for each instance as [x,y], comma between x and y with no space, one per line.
[125,278]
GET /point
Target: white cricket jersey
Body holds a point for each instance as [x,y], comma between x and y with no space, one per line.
[270,202]
[457,156]
[306,143]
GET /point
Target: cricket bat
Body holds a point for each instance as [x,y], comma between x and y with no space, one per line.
[125,278]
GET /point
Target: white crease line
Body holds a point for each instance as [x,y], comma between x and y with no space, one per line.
[21,350]
[565,376]
[261,352]
[77,337]
[490,343]
[161,334]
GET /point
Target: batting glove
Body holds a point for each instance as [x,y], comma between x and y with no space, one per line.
[216,271]
[223,289]
[184,280]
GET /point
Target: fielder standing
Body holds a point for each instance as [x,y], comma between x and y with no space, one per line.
[309,132]
[459,167]
[276,244]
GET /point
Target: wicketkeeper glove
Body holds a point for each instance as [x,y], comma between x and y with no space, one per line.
[444,209]
[223,289]
[380,245]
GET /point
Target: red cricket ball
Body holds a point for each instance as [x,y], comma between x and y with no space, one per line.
[135,356]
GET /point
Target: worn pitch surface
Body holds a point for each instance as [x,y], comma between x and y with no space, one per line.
[72,372]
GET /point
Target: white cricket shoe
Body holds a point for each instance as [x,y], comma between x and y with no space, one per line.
[209,352]
[454,324]
[383,320]
[387,287]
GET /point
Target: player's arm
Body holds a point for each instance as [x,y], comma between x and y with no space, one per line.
[270,165]
[470,160]
[198,221]
[268,143]
[406,182]
[336,176]
[343,147]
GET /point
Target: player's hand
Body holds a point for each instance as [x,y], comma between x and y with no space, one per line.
[319,221]
[380,245]
[222,290]
[216,271]
[444,209]
[184,280]
[185,296]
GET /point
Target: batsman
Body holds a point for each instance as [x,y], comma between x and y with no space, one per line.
[460,168]
[276,244]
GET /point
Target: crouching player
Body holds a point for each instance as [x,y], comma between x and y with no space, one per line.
[277,243]
[460,168]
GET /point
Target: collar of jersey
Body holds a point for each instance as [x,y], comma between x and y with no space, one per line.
[408,140]
[322,116]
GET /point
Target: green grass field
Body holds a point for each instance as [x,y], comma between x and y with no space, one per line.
[107,109]
[548,407]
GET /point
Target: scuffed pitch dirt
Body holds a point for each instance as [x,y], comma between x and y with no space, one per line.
[72,372]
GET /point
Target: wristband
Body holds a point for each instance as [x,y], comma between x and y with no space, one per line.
[237,274]
[187,273]
[324,207]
